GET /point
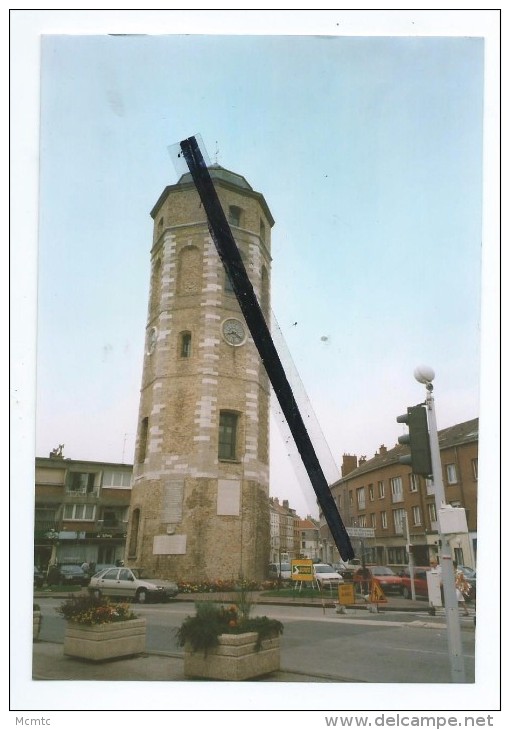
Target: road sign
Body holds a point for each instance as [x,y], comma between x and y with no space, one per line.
[301,570]
[377,593]
[366,532]
[346,594]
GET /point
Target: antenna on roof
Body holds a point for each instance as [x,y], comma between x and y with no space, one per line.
[216,153]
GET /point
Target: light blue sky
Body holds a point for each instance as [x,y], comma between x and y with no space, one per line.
[369,154]
[368,151]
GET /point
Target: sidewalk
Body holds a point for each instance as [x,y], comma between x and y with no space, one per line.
[49,663]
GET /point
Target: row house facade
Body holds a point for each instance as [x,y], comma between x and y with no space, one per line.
[309,539]
[383,494]
[284,534]
[81,510]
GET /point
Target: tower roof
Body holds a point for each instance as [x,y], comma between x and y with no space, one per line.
[222,175]
[217,172]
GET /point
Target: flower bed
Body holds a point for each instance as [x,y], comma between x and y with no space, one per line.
[97,629]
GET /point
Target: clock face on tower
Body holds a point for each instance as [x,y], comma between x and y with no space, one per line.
[233,332]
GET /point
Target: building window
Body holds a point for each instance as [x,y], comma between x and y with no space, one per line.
[362,521]
[116,479]
[227,436]
[398,521]
[396,489]
[384,520]
[82,482]
[416,516]
[234,215]
[451,473]
[414,482]
[474,467]
[373,520]
[371,492]
[432,512]
[360,497]
[142,447]
[429,485]
[185,344]
[380,489]
[83,512]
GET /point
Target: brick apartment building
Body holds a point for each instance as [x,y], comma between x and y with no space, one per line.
[81,510]
[383,494]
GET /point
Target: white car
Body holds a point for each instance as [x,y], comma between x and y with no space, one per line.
[131,583]
[326,576]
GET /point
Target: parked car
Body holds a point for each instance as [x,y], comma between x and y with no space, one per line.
[348,569]
[103,566]
[132,583]
[420,582]
[38,577]
[326,576]
[67,575]
[389,581]
[282,570]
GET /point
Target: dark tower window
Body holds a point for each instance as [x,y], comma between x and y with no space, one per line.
[228,284]
[262,230]
[227,435]
[185,348]
[142,448]
[234,215]
[133,538]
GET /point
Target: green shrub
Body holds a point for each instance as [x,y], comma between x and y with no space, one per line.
[202,630]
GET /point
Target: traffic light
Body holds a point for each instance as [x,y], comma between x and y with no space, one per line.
[418,439]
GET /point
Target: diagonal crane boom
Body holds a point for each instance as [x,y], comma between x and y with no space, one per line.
[234,266]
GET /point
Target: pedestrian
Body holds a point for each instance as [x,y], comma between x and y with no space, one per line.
[462,589]
[85,567]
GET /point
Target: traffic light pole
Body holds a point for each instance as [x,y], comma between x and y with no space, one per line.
[447,570]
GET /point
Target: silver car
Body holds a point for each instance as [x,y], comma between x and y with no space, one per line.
[131,583]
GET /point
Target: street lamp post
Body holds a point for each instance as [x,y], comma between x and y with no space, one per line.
[425,375]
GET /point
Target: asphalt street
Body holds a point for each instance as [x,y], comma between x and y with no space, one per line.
[318,645]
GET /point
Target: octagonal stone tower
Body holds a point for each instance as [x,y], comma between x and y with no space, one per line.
[199,506]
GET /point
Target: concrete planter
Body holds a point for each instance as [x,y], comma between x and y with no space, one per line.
[105,641]
[234,659]
[37,624]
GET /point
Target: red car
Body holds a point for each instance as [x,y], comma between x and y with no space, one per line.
[389,581]
[420,582]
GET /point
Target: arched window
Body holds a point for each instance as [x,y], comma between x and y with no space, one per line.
[133,538]
[142,445]
[234,215]
[189,271]
[227,437]
[185,344]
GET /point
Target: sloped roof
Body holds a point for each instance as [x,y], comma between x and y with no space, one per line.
[461,433]
[217,172]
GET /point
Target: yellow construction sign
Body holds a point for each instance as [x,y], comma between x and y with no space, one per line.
[301,570]
[377,593]
[346,594]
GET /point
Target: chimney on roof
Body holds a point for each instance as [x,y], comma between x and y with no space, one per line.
[349,463]
[286,503]
[382,449]
[362,460]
